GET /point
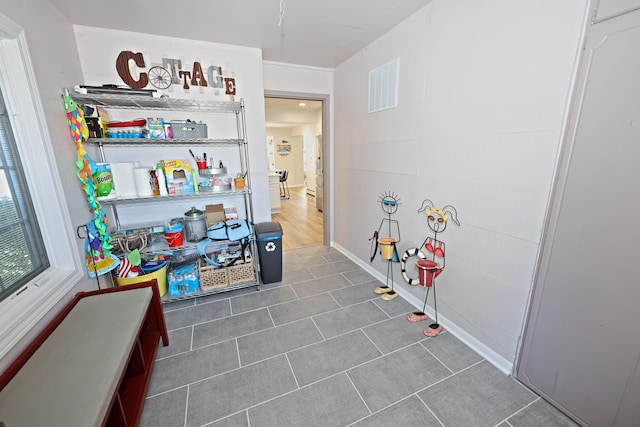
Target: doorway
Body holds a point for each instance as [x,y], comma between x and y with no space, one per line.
[296,129]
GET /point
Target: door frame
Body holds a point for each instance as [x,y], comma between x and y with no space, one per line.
[327,176]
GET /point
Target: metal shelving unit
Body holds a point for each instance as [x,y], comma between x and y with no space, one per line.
[137,102]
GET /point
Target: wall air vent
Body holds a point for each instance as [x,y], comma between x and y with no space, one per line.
[383,86]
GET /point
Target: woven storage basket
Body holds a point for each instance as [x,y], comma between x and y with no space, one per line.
[212,277]
[241,272]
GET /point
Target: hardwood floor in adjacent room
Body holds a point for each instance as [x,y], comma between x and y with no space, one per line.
[300,220]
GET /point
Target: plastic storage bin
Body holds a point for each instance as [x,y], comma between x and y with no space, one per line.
[160,275]
[269,239]
[188,129]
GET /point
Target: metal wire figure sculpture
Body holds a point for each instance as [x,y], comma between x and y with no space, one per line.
[389,204]
[431,264]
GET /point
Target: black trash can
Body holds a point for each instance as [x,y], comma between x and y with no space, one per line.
[269,239]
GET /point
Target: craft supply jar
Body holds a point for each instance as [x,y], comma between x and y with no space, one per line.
[195,225]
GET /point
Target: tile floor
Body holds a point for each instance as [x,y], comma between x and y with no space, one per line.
[320,349]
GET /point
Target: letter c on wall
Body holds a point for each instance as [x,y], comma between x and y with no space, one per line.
[122,66]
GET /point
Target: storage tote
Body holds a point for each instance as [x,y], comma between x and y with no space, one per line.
[188,129]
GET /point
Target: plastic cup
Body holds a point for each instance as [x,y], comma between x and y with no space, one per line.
[174,235]
[201,164]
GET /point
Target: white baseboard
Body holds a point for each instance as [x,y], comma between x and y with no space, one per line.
[491,356]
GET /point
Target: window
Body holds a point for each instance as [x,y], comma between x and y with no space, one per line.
[62,271]
[22,255]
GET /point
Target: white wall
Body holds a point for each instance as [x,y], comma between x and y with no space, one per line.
[294,162]
[310,125]
[291,162]
[302,140]
[297,78]
[309,133]
[482,96]
[244,64]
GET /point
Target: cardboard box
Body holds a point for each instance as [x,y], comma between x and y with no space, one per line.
[178,175]
[214,213]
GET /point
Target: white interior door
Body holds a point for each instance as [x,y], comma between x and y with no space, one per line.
[581,348]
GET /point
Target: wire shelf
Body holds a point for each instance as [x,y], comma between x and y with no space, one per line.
[163,142]
[152,103]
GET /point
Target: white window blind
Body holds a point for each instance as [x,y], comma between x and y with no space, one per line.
[22,254]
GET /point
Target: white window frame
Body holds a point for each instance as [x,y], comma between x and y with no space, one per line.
[21,311]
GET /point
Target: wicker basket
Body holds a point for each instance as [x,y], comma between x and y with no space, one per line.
[241,272]
[212,277]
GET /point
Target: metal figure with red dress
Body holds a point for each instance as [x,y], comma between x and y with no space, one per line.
[432,264]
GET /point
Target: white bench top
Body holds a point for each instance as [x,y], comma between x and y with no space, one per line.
[71,379]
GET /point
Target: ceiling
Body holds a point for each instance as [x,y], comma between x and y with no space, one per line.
[322,33]
[288,113]
[293,104]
